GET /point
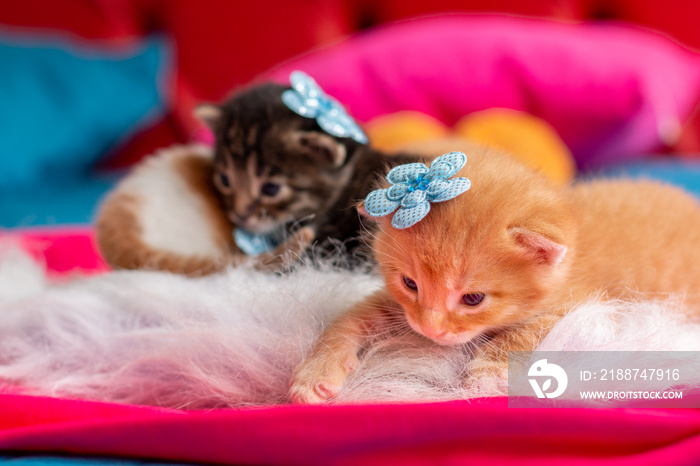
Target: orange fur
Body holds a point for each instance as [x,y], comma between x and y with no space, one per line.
[535,249]
[120,231]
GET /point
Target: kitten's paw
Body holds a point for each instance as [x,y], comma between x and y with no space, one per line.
[319,378]
[286,253]
[302,238]
[486,378]
[297,243]
[481,367]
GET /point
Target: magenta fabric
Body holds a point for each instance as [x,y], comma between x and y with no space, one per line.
[459,432]
[62,250]
[445,433]
[612,91]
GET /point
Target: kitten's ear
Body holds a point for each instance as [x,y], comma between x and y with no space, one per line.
[320,146]
[370,218]
[209,114]
[541,249]
[361,210]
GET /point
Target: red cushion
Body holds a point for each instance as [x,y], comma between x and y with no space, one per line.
[88,19]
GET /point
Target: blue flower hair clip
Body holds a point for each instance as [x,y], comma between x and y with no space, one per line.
[415,186]
[308,100]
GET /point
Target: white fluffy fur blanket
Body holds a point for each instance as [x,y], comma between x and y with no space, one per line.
[233,339]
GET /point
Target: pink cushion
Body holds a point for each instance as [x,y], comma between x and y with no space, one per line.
[612,92]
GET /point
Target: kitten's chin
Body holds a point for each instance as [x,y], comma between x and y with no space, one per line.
[454,339]
[267,229]
[261,227]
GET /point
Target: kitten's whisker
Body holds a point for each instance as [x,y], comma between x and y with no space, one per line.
[377,239]
[297,223]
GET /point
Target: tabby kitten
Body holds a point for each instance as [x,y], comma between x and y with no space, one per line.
[165,215]
[276,171]
[497,266]
[273,174]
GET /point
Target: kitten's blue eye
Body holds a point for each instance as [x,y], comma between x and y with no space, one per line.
[223,179]
[473,299]
[270,189]
[410,284]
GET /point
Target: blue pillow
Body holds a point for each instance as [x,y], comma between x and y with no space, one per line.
[67,460]
[63,106]
[680,172]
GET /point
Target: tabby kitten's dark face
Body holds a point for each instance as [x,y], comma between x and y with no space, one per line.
[272,166]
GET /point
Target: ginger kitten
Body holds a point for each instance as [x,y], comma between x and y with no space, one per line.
[498,265]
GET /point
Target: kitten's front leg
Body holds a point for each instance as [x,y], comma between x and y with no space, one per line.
[320,377]
[489,366]
[286,253]
[487,372]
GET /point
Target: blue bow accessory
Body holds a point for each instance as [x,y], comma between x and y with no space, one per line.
[308,100]
[415,186]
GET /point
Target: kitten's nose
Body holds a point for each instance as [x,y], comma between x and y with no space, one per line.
[431,332]
[246,213]
[433,324]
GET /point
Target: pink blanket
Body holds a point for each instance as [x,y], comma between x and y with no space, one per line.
[452,433]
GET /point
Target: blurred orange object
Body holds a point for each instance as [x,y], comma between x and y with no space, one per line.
[525,136]
[391,132]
